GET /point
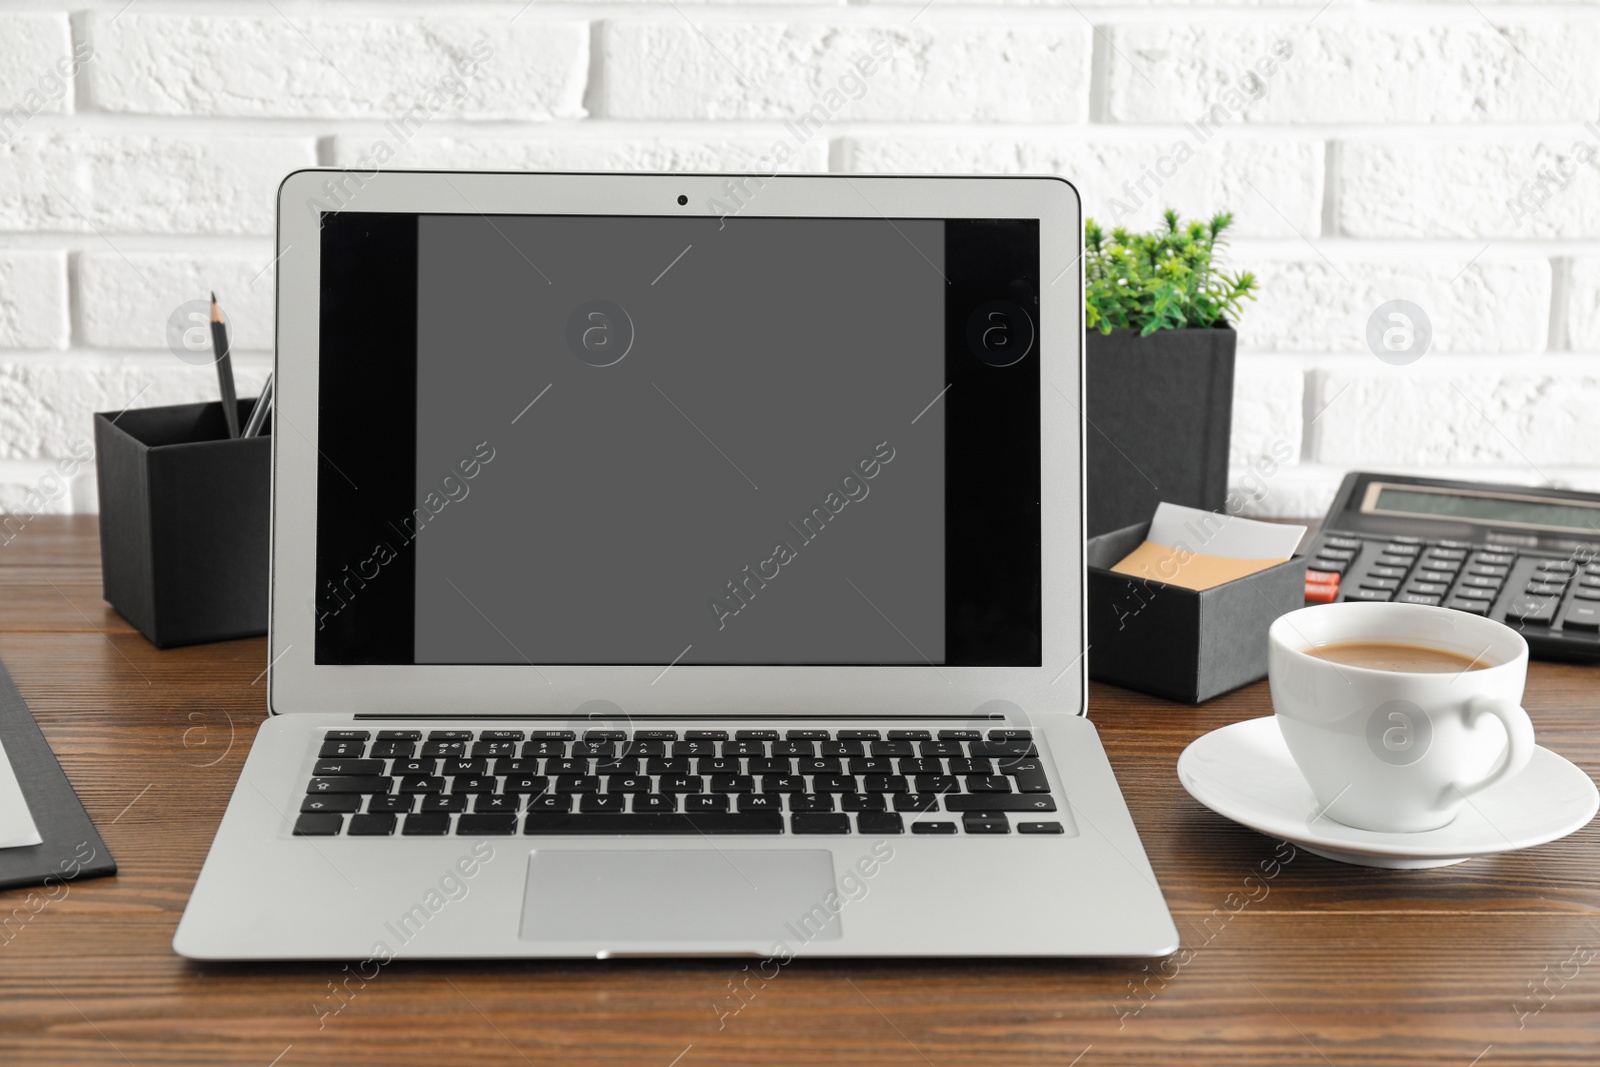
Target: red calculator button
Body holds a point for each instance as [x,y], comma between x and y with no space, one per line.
[1314,577]
[1322,592]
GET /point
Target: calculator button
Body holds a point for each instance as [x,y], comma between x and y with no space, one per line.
[1387,572]
[1485,571]
[1469,593]
[1494,559]
[1380,583]
[1593,568]
[1418,598]
[1331,566]
[1328,592]
[1554,589]
[1406,540]
[1540,610]
[1473,607]
[1451,565]
[1447,553]
[1586,594]
[1477,581]
[1409,551]
[1590,581]
[1367,594]
[1390,560]
[1562,566]
[1581,615]
[1454,544]
[1337,553]
[1342,542]
[1317,577]
[1434,576]
[1428,588]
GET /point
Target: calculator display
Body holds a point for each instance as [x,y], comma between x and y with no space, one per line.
[1484,508]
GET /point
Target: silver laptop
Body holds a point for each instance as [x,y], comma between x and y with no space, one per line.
[676,565]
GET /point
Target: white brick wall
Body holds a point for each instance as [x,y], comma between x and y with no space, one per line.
[1445,153]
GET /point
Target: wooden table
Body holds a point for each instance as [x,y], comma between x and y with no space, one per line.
[1491,962]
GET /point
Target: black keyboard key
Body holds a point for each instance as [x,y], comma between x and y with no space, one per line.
[937,783]
[909,735]
[1341,542]
[698,802]
[346,735]
[603,802]
[566,766]
[1433,576]
[1428,588]
[985,822]
[732,783]
[694,748]
[411,767]
[547,749]
[659,766]
[335,803]
[449,735]
[755,735]
[793,748]
[552,735]
[743,750]
[379,825]
[916,802]
[1386,572]
[526,784]
[987,783]
[616,766]
[593,750]
[646,749]
[754,822]
[960,735]
[1019,747]
[463,765]
[444,748]
[393,804]
[885,783]
[706,735]
[333,768]
[783,783]
[1405,539]
[833,783]
[921,766]
[628,783]
[999,802]
[1484,571]
[655,735]
[865,765]
[807,823]
[760,802]
[422,783]
[1538,589]
[550,802]
[1330,566]
[819,765]
[1029,776]
[771,766]
[504,767]
[1493,559]
[353,784]
[605,735]
[318,824]
[657,802]
[1469,593]
[392,749]
[472,783]
[500,735]
[1391,560]
[496,803]
[971,766]
[342,750]
[495,748]
[810,802]
[399,735]
[806,735]
[936,827]
[716,765]
[862,802]
[843,748]
[935,749]
[435,802]
[859,735]
[485,825]
[683,783]
[1475,581]
[1345,554]
[1039,828]
[578,783]
[1557,566]
[1581,615]
[1452,554]
[880,822]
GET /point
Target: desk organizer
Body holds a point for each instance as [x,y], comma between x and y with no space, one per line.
[184,517]
[1183,644]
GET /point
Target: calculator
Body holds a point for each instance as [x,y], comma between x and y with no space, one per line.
[1524,556]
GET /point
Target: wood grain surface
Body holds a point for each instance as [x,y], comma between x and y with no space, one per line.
[1491,962]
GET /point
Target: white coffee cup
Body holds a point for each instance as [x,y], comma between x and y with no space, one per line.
[1398,751]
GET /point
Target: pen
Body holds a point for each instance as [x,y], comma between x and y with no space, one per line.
[258,414]
[219,345]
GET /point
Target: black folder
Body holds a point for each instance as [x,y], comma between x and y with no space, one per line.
[72,848]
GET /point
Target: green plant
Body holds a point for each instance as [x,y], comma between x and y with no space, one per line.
[1163,280]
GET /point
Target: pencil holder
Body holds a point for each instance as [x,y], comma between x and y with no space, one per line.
[184,522]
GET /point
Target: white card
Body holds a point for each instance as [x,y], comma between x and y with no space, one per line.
[1212,533]
[16,821]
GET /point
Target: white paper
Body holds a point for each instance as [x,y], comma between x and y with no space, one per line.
[16,821]
[1213,533]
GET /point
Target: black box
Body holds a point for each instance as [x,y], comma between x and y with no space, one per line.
[1160,411]
[1183,644]
[184,522]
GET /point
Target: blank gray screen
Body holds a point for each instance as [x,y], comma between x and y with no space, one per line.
[674,505]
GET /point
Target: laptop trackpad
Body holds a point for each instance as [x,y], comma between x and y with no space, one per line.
[701,894]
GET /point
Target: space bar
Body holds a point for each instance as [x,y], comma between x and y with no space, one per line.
[754,822]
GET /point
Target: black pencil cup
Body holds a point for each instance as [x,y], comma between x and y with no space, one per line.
[184,522]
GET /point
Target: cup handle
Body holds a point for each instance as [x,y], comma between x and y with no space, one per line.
[1519,740]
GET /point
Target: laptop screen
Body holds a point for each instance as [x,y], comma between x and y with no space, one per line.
[656,440]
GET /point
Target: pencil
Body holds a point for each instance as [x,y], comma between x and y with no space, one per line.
[258,414]
[219,345]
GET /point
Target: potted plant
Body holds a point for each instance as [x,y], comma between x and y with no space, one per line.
[1159,368]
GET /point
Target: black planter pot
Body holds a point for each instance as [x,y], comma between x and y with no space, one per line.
[1160,412]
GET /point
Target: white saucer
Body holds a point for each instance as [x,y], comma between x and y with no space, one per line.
[1244,772]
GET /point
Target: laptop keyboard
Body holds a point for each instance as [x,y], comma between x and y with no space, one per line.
[411,783]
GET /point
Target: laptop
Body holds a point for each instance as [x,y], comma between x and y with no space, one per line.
[676,565]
